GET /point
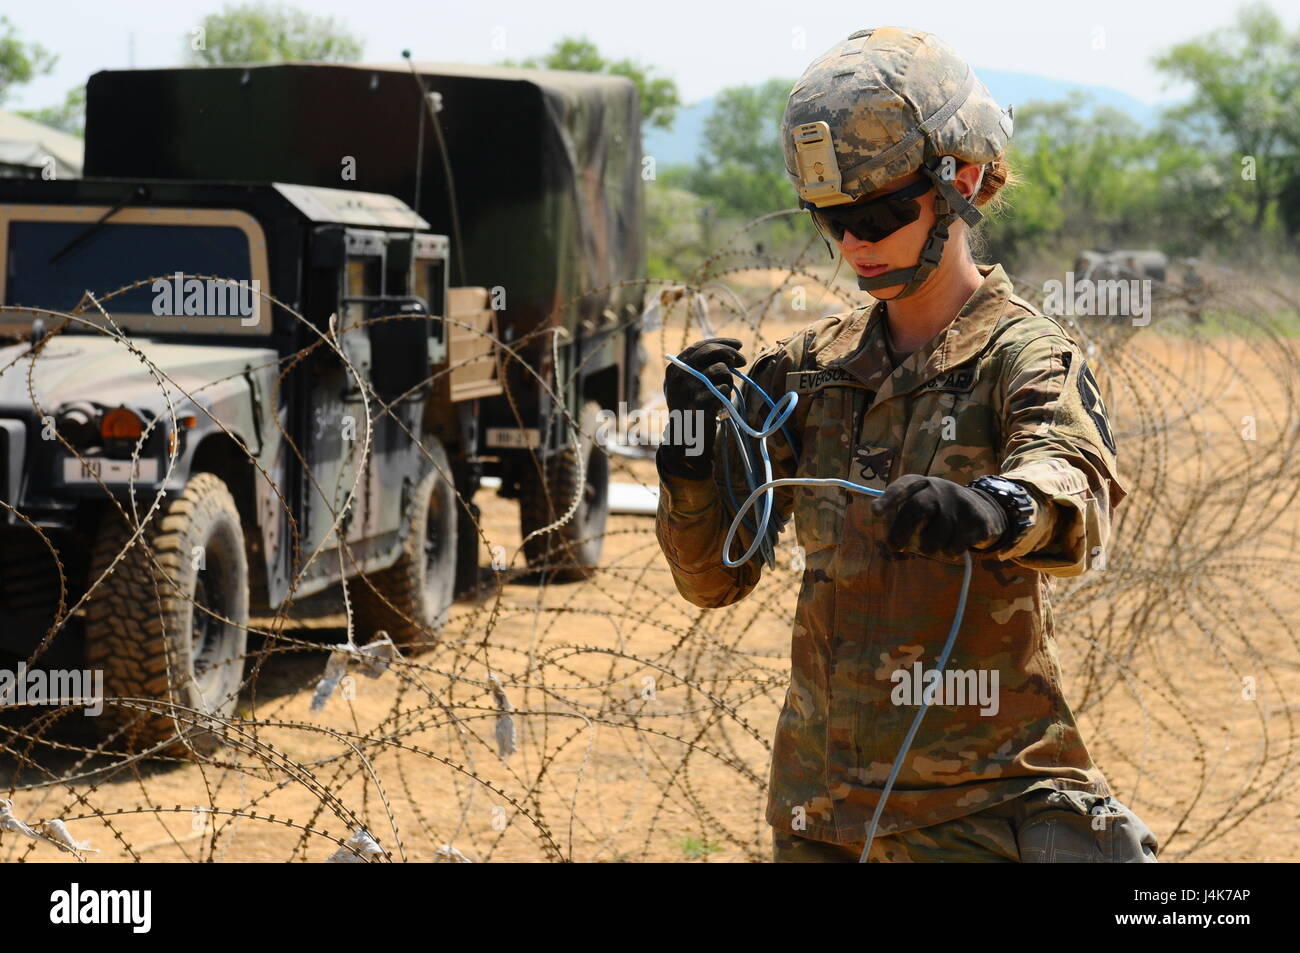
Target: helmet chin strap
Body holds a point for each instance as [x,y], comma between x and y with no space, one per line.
[949,205]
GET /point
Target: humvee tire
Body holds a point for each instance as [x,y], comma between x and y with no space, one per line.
[571,552]
[468,518]
[420,585]
[142,625]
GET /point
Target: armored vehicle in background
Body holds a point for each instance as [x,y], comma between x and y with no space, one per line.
[300,312]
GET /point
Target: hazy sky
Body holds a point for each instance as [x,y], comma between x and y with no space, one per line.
[703,46]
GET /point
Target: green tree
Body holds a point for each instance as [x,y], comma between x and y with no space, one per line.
[1246,83]
[743,168]
[1082,168]
[20,62]
[675,231]
[1093,178]
[266,33]
[70,116]
[658,94]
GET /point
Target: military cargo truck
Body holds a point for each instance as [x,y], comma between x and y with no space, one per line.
[534,175]
[303,372]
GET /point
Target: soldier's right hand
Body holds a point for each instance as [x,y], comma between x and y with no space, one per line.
[686,394]
[712,357]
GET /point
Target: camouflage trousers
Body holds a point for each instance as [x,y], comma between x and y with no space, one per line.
[1043,826]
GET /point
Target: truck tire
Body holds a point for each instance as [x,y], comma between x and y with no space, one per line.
[467,568]
[420,585]
[143,629]
[570,552]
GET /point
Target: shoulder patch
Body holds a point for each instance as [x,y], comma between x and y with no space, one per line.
[1090,397]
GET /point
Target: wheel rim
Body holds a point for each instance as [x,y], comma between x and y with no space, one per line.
[207,634]
[595,486]
[435,543]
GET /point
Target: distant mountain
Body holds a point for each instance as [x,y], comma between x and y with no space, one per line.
[1017,89]
[683,143]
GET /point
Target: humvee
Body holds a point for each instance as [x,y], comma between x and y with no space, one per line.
[298,380]
[1123,265]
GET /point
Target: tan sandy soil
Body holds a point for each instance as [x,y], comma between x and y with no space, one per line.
[1155,663]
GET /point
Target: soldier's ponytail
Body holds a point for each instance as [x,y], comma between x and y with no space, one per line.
[991,199]
[997,176]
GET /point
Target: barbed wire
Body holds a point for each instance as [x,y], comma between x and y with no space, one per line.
[605,718]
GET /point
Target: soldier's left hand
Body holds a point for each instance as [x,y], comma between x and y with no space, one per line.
[947,517]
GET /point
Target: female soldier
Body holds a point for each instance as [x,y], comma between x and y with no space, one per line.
[981,423]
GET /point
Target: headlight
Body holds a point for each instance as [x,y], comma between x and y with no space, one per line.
[79,424]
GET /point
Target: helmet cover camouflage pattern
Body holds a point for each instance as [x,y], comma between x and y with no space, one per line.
[893,99]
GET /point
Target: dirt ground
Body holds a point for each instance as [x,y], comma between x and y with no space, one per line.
[643,724]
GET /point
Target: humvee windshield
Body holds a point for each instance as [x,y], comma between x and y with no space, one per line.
[52,257]
[114,256]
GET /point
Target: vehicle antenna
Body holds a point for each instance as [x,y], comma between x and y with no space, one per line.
[428,99]
[419,154]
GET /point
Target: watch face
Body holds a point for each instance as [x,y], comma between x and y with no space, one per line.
[1015,502]
[991,484]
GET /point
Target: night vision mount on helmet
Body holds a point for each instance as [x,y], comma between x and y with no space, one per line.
[881,105]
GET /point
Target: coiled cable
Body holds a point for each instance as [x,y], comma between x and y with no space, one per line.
[765,533]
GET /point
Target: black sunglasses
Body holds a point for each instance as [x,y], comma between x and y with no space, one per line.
[874,220]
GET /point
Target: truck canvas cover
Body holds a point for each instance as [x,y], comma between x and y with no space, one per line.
[546,164]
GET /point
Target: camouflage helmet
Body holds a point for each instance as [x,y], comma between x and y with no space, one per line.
[891,100]
[881,105]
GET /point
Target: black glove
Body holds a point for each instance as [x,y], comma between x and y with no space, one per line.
[951,518]
[686,393]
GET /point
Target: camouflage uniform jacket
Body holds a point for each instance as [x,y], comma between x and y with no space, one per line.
[1002,389]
